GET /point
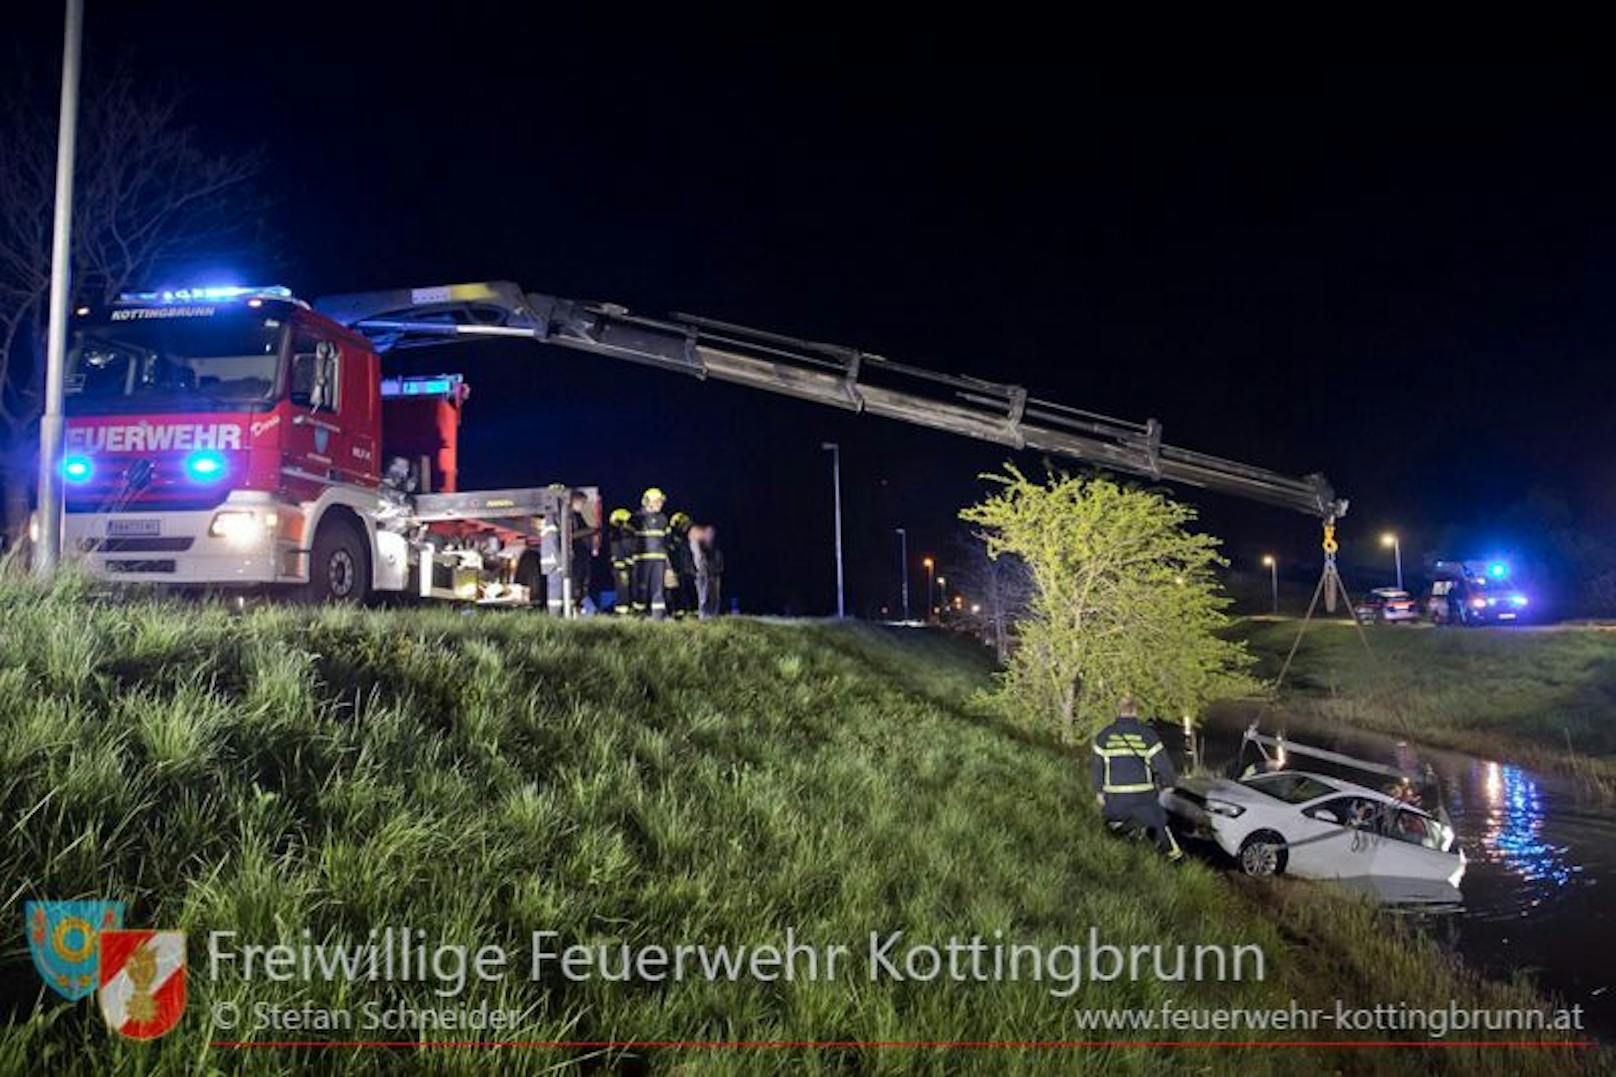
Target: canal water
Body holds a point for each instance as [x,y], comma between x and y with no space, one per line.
[1537,896]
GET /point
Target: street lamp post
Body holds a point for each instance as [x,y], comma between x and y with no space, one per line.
[942,596]
[929,566]
[1390,539]
[835,451]
[1273,578]
[50,422]
[903,565]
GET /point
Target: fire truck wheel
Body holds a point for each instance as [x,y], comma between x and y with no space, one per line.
[339,564]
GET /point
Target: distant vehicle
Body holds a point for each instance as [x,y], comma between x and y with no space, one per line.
[1318,827]
[1387,605]
[1474,593]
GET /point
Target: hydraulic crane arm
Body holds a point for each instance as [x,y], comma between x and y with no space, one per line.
[824,373]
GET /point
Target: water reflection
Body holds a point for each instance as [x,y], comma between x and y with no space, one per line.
[1512,832]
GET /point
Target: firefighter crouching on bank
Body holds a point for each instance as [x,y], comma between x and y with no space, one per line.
[1129,761]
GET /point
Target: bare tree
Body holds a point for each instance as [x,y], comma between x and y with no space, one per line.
[150,199]
[997,591]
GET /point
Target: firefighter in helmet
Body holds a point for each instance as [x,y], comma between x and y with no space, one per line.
[620,545]
[650,526]
[1129,760]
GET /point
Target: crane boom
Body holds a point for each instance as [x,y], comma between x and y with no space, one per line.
[836,375]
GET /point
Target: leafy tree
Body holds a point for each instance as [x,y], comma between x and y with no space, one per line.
[1125,601]
[149,199]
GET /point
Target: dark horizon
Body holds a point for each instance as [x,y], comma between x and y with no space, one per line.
[1398,280]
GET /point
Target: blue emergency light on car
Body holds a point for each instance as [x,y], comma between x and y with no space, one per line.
[205,465]
[77,469]
[1498,570]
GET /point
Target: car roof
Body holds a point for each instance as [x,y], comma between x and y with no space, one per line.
[1389,592]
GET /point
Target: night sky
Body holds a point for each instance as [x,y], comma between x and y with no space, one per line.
[1398,278]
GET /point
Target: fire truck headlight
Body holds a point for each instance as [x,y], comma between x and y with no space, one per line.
[205,465]
[241,528]
[77,469]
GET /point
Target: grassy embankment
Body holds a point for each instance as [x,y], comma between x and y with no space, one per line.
[487,776]
[1544,697]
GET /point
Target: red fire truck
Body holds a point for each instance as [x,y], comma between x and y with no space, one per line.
[235,436]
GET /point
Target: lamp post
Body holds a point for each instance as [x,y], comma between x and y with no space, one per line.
[942,597]
[50,422]
[929,565]
[1390,539]
[903,567]
[835,451]
[1273,578]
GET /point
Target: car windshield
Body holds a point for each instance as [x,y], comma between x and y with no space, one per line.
[1291,788]
[201,361]
[1392,596]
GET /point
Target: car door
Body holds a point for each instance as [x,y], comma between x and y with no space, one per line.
[1338,839]
[1412,846]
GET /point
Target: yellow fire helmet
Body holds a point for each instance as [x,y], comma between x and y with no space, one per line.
[652,494]
[619,517]
[680,520]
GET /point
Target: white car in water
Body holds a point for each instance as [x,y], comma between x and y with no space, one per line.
[1320,827]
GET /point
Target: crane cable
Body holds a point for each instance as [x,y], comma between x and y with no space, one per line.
[1330,577]
[1330,584]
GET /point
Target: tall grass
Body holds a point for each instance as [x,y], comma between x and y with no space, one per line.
[485,776]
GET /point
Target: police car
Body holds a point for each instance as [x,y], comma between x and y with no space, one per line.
[1315,826]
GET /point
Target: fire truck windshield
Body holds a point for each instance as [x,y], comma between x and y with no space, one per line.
[223,361]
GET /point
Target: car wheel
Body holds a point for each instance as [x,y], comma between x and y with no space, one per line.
[339,565]
[1263,854]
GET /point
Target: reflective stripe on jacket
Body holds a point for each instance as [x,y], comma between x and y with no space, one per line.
[1129,758]
[650,535]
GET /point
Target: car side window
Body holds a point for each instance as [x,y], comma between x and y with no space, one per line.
[1414,828]
[1356,813]
[315,373]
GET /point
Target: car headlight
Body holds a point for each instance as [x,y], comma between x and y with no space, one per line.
[1224,808]
[240,527]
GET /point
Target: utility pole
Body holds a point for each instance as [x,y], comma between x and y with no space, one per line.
[1273,578]
[903,565]
[50,424]
[835,451]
